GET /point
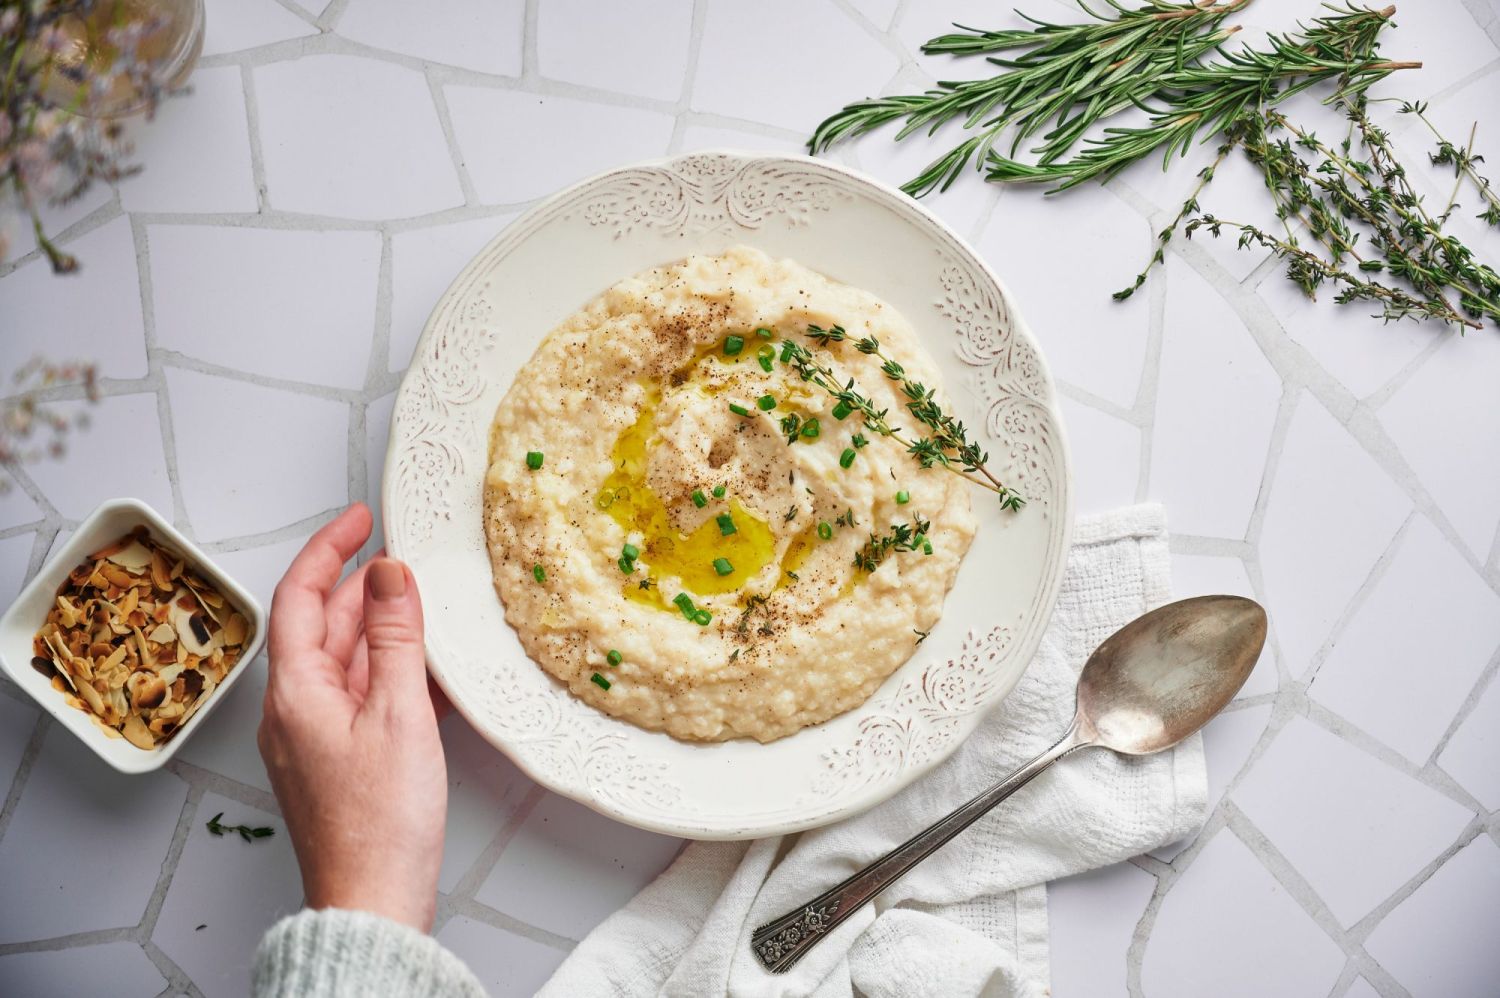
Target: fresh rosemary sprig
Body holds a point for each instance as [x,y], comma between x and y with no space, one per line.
[948,445]
[245,831]
[1069,76]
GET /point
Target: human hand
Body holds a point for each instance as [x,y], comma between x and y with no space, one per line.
[349,732]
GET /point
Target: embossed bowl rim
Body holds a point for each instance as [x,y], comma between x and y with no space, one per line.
[1022,649]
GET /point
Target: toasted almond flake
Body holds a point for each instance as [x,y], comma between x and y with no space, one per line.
[91,697]
[136,733]
[134,556]
[163,634]
[161,573]
[147,691]
[236,629]
[128,603]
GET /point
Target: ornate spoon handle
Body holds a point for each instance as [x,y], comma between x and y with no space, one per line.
[781,943]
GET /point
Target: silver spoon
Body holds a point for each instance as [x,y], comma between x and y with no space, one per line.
[1152,683]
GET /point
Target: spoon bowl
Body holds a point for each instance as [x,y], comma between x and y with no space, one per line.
[1165,674]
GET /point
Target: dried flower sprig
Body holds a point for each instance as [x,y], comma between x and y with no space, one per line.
[50,152]
[30,428]
[948,445]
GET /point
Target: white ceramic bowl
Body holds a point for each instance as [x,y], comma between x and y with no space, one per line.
[109,522]
[567,250]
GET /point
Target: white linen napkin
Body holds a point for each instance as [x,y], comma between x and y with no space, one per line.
[972,919]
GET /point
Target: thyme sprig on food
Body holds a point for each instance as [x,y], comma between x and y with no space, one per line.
[902,537]
[947,445]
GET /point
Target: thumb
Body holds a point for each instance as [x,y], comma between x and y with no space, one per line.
[393,632]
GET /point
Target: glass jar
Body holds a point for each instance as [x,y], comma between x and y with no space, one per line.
[85,74]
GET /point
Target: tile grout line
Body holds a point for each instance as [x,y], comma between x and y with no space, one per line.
[1361,596]
[29,756]
[450,139]
[147,924]
[252,127]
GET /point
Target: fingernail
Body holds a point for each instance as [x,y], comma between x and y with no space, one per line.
[387,579]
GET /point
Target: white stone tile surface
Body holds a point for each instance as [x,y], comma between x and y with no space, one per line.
[199,150]
[1106,456]
[93,314]
[734,78]
[1363,355]
[1354,827]
[352,137]
[221,422]
[56,219]
[423,263]
[1440,942]
[73,484]
[1093,918]
[16,506]
[1215,406]
[508,965]
[129,973]
[966,203]
[15,553]
[1229,929]
[1228,741]
[1440,433]
[266,294]
[697,137]
[233,889]
[498,132]
[483,35]
[484,791]
[62,848]
[1413,650]
[1094,343]
[1332,512]
[1361,988]
[1471,752]
[633,47]
[233,25]
[17,722]
[377,436]
[605,864]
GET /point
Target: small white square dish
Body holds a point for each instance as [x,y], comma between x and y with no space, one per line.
[105,526]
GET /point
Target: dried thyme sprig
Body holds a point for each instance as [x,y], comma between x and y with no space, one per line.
[1069,77]
[947,447]
[245,831]
[1462,160]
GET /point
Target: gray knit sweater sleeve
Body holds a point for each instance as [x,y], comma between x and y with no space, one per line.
[334,954]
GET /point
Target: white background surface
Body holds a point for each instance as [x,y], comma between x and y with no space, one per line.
[253,297]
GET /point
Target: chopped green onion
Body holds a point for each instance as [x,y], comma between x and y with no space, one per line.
[766,355]
[738,410]
[626,565]
[718,492]
[766,403]
[699,499]
[733,344]
[614,658]
[538,572]
[927,547]
[842,409]
[810,429]
[726,524]
[600,681]
[533,459]
[859,440]
[903,497]
[630,552]
[846,458]
[722,566]
[703,618]
[825,530]
[763,333]
[786,350]
[918,541]
[685,604]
